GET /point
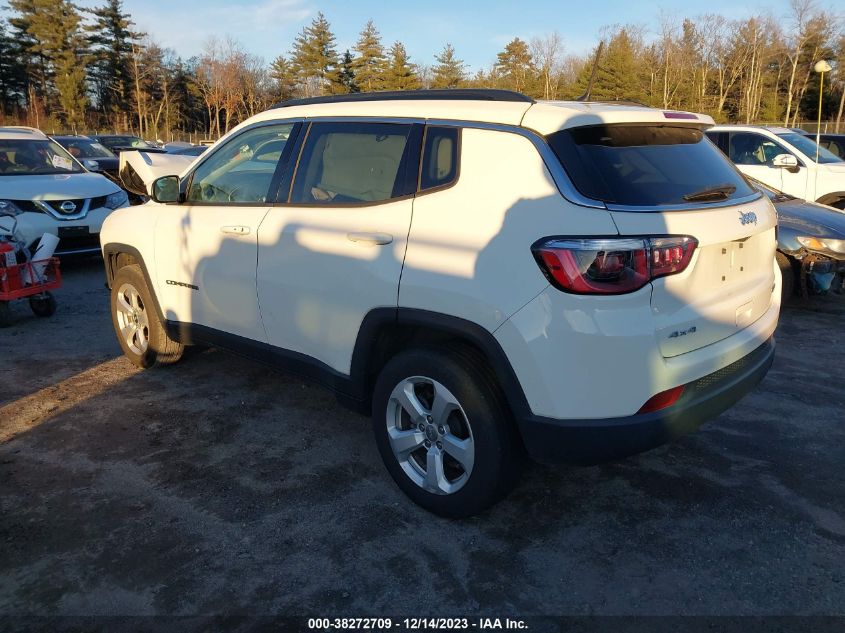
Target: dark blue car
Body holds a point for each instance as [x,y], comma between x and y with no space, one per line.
[811,244]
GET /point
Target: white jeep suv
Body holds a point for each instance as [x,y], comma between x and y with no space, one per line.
[786,160]
[51,192]
[484,273]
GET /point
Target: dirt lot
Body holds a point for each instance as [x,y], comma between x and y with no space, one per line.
[216,486]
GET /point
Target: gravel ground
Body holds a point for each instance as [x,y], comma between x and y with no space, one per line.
[219,487]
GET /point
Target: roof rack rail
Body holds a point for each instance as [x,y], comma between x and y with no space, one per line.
[625,102]
[455,94]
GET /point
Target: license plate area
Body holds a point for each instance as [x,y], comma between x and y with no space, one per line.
[73,231]
[733,261]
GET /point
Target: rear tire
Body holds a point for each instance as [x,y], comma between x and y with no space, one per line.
[141,335]
[787,271]
[458,452]
[43,305]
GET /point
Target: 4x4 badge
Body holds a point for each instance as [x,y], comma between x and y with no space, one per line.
[747,218]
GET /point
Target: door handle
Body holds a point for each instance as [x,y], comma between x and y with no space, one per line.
[235,230]
[371,239]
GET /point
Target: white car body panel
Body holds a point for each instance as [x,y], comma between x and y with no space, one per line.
[612,363]
[461,258]
[192,249]
[316,285]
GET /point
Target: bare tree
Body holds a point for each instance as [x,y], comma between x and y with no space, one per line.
[802,12]
[547,51]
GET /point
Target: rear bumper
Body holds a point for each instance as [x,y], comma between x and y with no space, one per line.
[588,442]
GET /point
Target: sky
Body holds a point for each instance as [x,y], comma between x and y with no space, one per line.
[478,30]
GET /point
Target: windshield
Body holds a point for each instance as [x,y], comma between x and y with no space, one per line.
[808,147]
[124,141]
[83,148]
[647,165]
[26,157]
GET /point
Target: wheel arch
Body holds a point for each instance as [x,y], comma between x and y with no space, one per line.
[116,256]
[831,199]
[386,332]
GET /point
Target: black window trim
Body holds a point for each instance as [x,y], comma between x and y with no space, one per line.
[412,152]
[278,172]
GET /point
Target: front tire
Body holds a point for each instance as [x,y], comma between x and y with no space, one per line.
[141,334]
[444,432]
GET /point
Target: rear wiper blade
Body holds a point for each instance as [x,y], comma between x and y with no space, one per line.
[719,192]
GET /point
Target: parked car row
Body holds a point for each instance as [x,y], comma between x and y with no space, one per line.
[67,184]
[791,169]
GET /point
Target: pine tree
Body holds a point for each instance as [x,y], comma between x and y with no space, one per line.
[449,71]
[12,74]
[282,74]
[618,75]
[347,74]
[28,50]
[314,59]
[514,64]
[400,73]
[56,49]
[111,40]
[369,64]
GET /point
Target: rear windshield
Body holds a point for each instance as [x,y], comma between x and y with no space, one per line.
[647,165]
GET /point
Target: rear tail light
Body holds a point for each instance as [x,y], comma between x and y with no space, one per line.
[611,266]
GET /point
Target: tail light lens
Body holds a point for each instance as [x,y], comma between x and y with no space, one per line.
[662,400]
[611,266]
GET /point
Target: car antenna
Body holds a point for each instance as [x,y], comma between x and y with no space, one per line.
[586,95]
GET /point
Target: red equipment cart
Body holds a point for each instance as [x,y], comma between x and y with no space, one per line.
[33,280]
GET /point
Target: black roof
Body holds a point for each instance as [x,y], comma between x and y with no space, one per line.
[457,94]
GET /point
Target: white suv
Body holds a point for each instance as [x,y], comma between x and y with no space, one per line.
[786,160]
[484,273]
[51,192]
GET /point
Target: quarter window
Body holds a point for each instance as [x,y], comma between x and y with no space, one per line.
[440,157]
[242,169]
[352,163]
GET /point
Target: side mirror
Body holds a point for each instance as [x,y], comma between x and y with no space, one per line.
[787,161]
[166,189]
[91,165]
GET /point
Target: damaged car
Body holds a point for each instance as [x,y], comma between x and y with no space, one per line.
[811,244]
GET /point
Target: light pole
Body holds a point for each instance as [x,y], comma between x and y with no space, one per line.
[821,67]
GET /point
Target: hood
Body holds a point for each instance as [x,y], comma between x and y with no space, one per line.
[835,168]
[56,186]
[138,169]
[810,219]
[106,163]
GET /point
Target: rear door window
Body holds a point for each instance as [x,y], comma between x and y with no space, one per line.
[353,163]
[646,165]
